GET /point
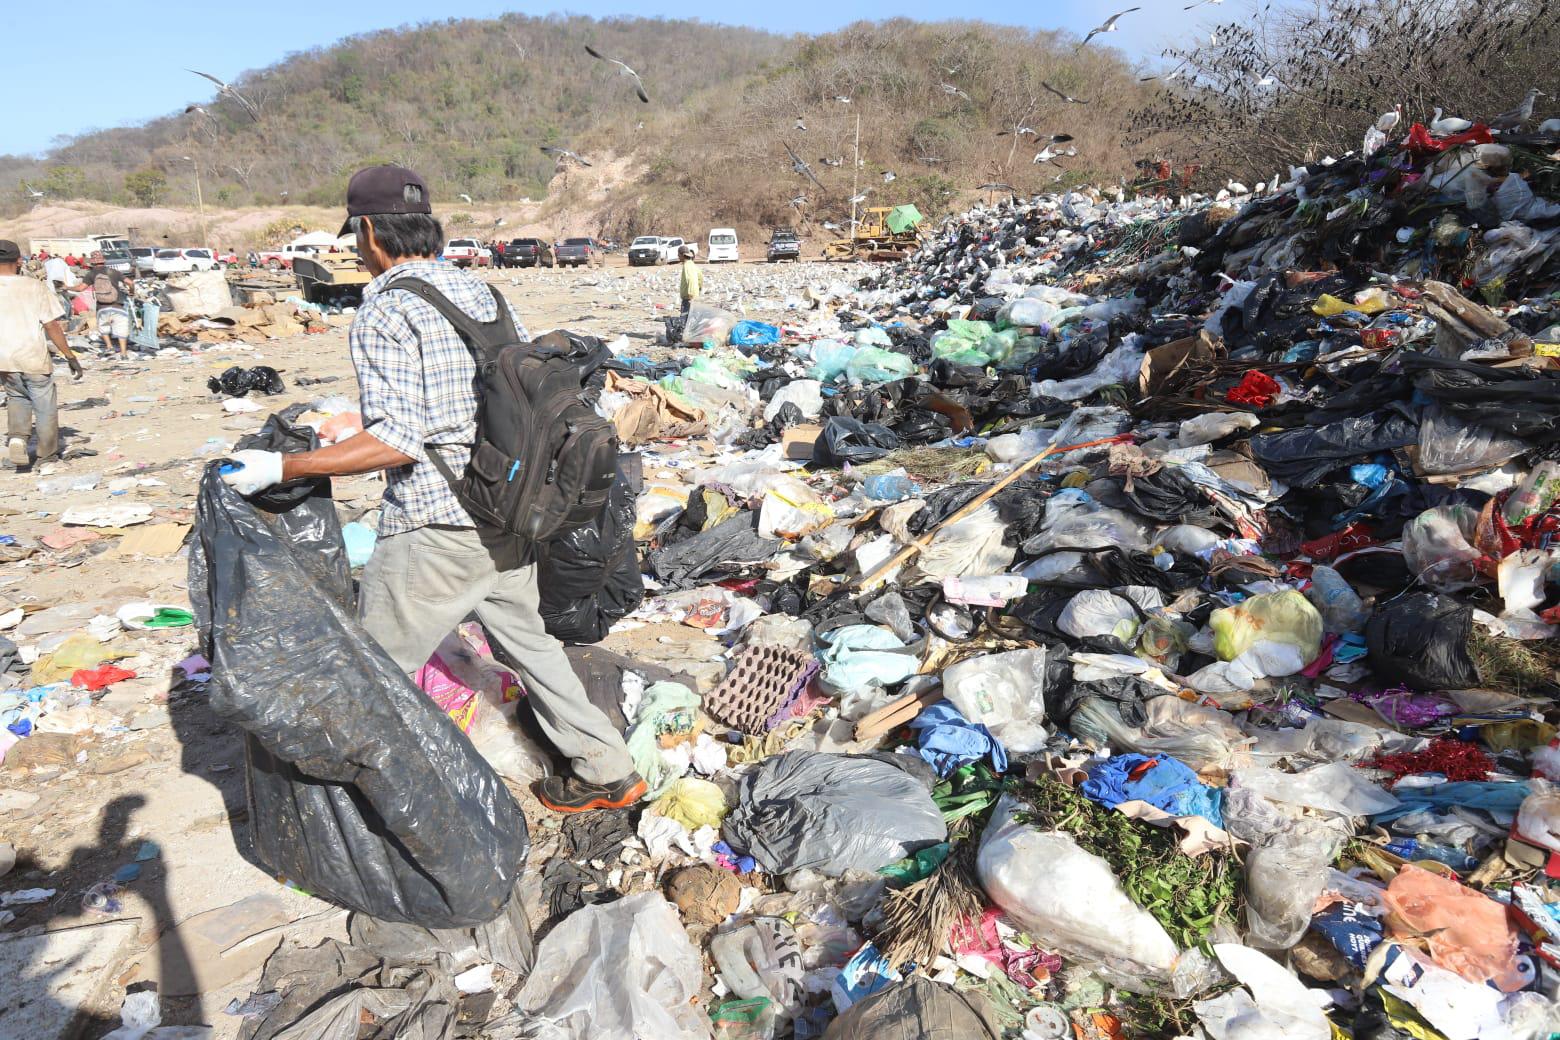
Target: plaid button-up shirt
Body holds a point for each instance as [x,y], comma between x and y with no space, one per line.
[417,384]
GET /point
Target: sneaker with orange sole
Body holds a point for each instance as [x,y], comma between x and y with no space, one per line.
[570,794]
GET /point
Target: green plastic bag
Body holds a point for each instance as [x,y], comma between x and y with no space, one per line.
[872,365]
[830,359]
[1272,617]
[916,867]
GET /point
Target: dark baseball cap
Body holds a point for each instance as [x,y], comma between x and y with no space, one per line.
[385,189]
[10,252]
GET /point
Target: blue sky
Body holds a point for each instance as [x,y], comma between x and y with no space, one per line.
[131,66]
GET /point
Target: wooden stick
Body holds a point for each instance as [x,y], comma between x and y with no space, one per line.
[869,580]
[897,712]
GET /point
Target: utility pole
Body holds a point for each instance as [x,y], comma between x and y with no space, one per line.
[200,203]
[855,178]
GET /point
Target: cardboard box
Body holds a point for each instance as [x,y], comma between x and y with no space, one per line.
[797,442]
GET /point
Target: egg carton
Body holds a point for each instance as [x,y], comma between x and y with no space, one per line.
[758,693]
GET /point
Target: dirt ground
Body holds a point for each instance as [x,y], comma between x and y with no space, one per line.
[159,767]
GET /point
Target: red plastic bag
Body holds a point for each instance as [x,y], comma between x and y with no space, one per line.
[95,679]
[1256,389]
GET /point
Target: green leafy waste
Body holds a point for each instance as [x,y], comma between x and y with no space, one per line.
[1186,895]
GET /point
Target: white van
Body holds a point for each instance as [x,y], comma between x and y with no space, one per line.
[723,245]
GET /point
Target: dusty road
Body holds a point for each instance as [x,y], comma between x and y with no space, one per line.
[157,780]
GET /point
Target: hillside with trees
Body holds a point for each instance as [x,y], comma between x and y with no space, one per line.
[469,103]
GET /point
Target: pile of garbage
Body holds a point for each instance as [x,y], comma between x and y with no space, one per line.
[1123,618]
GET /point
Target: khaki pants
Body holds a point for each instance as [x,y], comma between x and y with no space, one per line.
[419,585]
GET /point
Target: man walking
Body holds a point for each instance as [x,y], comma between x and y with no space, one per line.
[433,565]
[110,294]
[690,280]
[30,316]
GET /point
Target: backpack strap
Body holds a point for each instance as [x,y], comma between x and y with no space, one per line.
[483,338]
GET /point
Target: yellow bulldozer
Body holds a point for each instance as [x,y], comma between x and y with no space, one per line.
[884,233]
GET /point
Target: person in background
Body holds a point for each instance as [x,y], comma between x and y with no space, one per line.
[30,315]
[110,292]
[58,274]
[690,282]
[433,565]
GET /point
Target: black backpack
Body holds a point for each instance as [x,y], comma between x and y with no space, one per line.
[544,461]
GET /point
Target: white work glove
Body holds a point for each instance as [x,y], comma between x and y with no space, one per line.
[257,470]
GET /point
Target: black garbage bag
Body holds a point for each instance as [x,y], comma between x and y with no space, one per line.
[237,381]
[1514,401]
[1302,457]
[851,440]
[361,790]
[1172,497]
[589,576]
[727,546]
[1422,640]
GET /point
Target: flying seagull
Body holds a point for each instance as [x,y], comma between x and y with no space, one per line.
[563,153]
[857,200]
[800,165]
[1045,155]
[1020,131]
[888,176]
[464,198]
[1108,26]
[998,186]
[639,84]
[800,125]
[831,225]
[953,91]
[32,193]
[227,89]
[800,200]
[833,162]
[842,99]
[1063,95]
[1200,3]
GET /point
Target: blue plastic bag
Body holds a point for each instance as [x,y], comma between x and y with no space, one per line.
[754,334]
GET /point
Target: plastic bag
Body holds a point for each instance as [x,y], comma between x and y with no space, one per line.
[1285,617]
[708,325]
[692,802]
[917,1009]
[1202,736]
[973,545]
[1334,787]
[1422,639]
[589,576]
[833,813]
[379,804]
[666,708]
[830,360]
[616,971]
[806,394]
[850,440]
[1449,444]
[753,334]
[1438,547]
[1285,871]
[1005,693]
[790,510]
[1068,901]
[1027,312]
[874,365]
[864,655]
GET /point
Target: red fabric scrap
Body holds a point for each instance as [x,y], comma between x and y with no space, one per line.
[1256,389]
[96,678]
[1451,758]
[1355,536]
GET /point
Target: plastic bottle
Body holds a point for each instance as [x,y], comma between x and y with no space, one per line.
[890,487]
[1535,494]
[1335,599]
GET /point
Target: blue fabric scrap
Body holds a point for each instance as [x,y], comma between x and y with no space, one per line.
[1167,784]
[948,740]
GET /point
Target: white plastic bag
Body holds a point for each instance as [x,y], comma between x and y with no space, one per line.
[1005,693]
[616,971]
[1068,901]
[1334,787]
[806,394]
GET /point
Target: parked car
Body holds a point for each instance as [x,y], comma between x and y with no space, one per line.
[529,252]
[183,261]
[647,251]
[282,259]
[143,257]
[784,245]
[673,247]
[723,245]
[579,252]
[467,252]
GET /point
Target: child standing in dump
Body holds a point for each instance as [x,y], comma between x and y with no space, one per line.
[691,281]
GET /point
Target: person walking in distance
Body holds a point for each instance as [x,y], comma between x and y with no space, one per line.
[690,281]
[434,564]
[30,314]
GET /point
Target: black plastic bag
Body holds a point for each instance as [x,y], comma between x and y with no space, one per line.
[850,440]
[1302,457]
[236,381]
[589,576]
[1514,401]
[1172,497]
[361,791]
[1422,640]
[727,546]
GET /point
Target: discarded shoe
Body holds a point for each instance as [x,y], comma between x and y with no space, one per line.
[568,794]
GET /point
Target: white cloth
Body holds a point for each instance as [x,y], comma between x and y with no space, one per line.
[55,269]
[26,304]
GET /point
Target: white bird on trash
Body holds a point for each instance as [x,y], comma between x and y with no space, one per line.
[1235,187]
[1108,26]
[639,84]
[1390,119]
[1549,126]
[1514,119]
[227,89]
[563,153]
[1449,125]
